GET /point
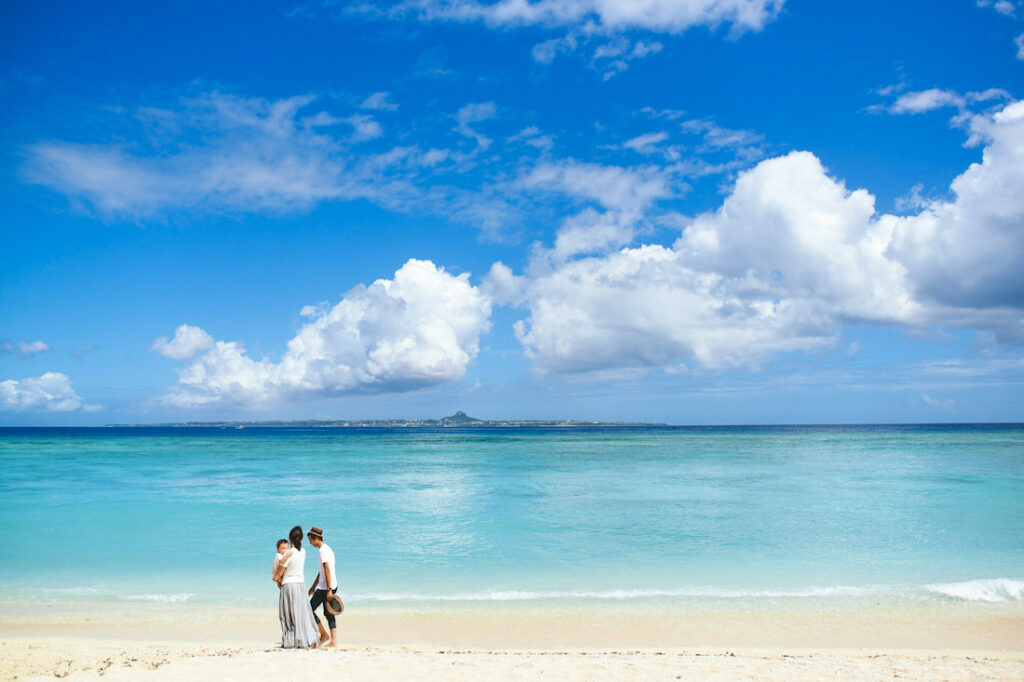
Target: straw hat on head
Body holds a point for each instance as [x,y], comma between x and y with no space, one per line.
[317,532]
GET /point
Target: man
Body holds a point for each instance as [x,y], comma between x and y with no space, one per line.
[325,586]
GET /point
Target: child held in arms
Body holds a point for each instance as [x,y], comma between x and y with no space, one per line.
[283,550]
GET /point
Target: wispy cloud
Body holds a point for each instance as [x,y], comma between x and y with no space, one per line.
[599,27]
[222,153]
[1011,9]
[380,101]
[84,350]
[659,16]
[533,136]
[647,144]
[932,401]
[25,348]
[973,109]
[225,153]
[475,113]
[365,128]
[610,56]
[258,154]
[613,57]
[743,143]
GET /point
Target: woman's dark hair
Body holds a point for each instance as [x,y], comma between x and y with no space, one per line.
[278,543]
[296,537]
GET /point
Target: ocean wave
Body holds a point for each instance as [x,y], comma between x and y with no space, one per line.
[624,595]
[162,598]
[986,590]
[75,591]
[93,593]
[991,590]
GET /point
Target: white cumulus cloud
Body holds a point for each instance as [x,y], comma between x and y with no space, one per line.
[789,258]
[187,342]
[790,231]
[968,252]
[641,307]
[419,329]
[592,231]
[50,392]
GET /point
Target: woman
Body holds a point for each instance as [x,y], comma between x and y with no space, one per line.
[298,629]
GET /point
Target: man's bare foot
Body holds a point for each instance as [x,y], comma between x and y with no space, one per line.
[332,645]
[324,641]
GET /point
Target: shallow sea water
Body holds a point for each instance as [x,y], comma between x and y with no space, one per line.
[481,517]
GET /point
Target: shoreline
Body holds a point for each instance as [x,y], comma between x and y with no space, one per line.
[933,626]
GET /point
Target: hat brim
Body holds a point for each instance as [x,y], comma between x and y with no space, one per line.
[334,606]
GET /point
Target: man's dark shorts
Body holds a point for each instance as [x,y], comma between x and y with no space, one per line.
[320,598]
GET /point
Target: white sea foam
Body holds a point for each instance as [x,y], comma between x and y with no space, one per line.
[991,590]
[94,593]
[624,595]
[75,591]
[162,598]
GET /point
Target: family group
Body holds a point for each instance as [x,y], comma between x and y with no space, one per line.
[297,607]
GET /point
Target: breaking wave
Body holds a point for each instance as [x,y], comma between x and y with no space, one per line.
[991,590]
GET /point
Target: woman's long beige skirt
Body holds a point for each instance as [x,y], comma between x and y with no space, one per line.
[298,629]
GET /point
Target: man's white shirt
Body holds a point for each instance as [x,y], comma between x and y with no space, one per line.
[327,557]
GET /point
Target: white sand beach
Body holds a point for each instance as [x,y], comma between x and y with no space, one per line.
[173,642]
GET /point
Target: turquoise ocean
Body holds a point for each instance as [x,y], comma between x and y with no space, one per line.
[483,518]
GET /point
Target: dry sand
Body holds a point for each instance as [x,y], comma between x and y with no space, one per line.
[182,642]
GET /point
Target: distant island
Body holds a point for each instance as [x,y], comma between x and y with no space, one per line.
[457,420]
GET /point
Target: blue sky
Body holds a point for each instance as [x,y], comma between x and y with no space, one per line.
[739,211]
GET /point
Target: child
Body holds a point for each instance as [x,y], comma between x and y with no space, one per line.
[283,551]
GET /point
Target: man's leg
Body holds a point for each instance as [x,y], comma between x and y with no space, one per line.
[331,623]
[318,598]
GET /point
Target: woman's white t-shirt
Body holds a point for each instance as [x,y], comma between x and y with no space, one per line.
[293,567]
